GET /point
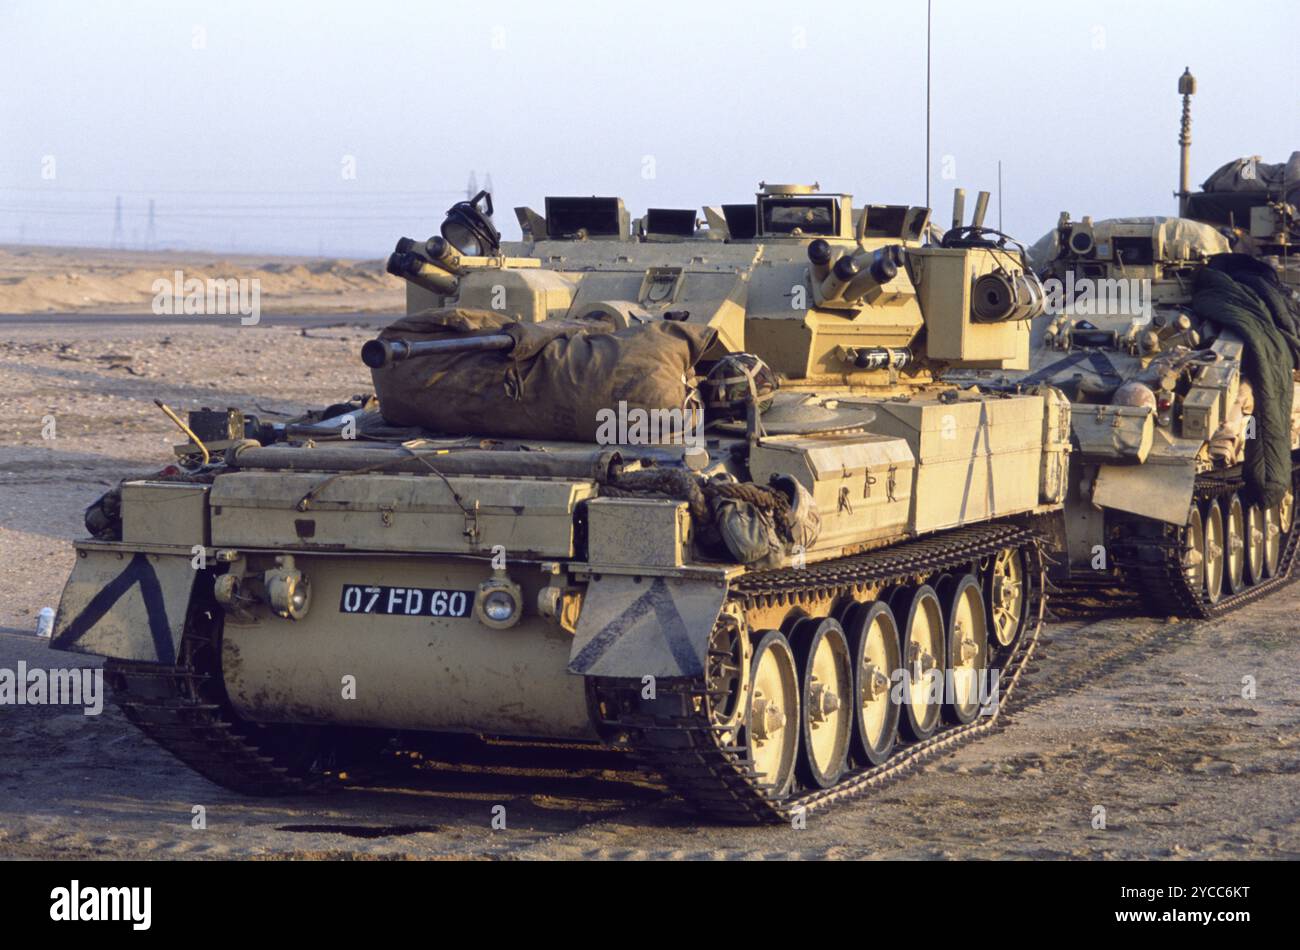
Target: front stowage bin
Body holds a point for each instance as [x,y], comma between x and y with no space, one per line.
[403,643]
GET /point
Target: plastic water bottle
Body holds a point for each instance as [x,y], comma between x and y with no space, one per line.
[45,622]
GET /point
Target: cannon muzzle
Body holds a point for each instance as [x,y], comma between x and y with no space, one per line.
[380,353]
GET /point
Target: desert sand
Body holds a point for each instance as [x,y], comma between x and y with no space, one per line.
[45,279]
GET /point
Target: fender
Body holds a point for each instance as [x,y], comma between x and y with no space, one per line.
[124,603]
[646,625]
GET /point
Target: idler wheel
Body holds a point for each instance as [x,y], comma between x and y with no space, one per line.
[1006,596]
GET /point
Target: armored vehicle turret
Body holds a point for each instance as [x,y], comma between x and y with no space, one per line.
[695,489]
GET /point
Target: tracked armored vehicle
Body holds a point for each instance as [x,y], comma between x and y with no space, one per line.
[782,609]
[1176,341]
[1185,410]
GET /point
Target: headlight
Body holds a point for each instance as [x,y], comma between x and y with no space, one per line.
[499,606]
[469,229]
[499,603]
[287,589]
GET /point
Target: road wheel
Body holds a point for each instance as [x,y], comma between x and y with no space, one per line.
[1255,534]
[873,644]
[967,648]
[1272,539]
[1214,552]
[923,648]
[1234,531]
[1193,558]
[772,715]
[826,691]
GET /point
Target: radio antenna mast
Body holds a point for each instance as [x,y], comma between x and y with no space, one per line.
[999,194]
[1187,88]
[928,4]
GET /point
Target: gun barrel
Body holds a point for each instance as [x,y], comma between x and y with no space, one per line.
[380,353]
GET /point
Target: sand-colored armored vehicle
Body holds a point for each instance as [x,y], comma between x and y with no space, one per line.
[774,612]
[1176,342]
[1186,413]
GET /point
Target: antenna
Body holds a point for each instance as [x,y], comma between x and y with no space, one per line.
[1000,195]
[151,233]
[1186,86]
[928,4]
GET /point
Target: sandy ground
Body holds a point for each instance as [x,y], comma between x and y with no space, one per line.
[1140,717]
[41,279]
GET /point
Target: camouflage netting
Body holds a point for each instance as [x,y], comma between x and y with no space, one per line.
[1244,295]
[1182,239]
[553,384]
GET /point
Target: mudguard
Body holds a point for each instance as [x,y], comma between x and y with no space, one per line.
[646,626]
[1161,488]
[130,605]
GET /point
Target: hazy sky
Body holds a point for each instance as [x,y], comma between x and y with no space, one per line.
[241,120]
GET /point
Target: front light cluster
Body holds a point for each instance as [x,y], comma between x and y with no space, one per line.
[287,589]
[500,602]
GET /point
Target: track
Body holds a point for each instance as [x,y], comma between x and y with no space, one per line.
[1151,557]
[184,709]
[676,738]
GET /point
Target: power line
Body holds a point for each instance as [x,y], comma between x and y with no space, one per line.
[326,215]
[342,191]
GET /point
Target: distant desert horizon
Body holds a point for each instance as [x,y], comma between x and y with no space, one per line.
[61,279]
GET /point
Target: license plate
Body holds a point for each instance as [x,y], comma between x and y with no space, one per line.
[406,601]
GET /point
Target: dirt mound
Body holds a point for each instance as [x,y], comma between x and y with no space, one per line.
[36,280]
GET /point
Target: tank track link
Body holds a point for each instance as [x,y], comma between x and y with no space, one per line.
[674,737]
[184,709]
[1151,557]
[161,702]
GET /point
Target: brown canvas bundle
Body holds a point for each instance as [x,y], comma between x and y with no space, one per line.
[550,385]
